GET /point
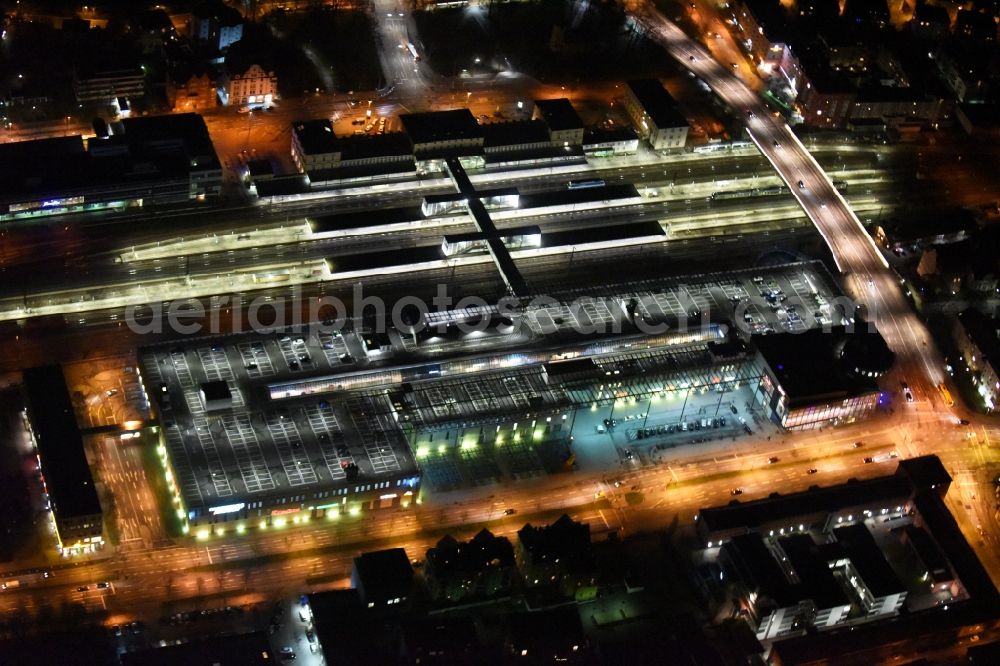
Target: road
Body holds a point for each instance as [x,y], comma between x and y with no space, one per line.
[868,279]
[150,581]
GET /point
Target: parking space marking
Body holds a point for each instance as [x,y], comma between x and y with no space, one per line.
[288,443]
[256,360]
[330,438]
[373,426]
[218,472]
[334,347]
[296,354]
[246,449]
[184,473]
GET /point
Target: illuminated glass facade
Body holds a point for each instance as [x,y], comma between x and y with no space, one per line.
[839,412]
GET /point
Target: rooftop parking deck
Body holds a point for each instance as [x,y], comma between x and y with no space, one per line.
[316,412]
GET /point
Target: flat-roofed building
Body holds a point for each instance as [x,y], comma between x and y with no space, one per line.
[936,571]
[443,133]
[654,114]
[314,145]
[818,377]
[269,464]
[216,395]
[237,650]
[383,579]
[318,152]
[149,161]
[835,557]
[599,142]
[103,86]
[76,510]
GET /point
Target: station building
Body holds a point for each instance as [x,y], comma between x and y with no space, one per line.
[599,142]
[68,482]
[654,114]
[439,135]
[564,125]
[519,143]
[327,159]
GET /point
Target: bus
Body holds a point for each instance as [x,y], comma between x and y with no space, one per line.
[584,184]
[946,394]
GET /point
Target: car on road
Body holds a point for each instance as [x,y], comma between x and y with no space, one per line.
[907,394]
[802,185]
[509,512]
[691,58]
[103,585]
[811,470]
[963,422]
[750,114]
[858,445]
[772,460]
[776,144]
[82,588]
[869,460]
[737,491]
[111,392]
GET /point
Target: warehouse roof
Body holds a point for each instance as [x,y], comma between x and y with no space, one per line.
[60,446]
